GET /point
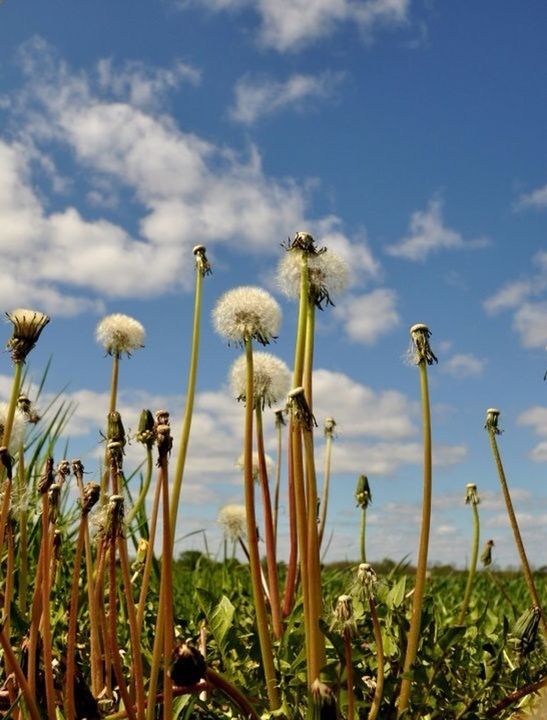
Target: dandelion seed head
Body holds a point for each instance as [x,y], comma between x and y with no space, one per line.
[233,520]
[271,379]
[247,312]
[27,326]
[328,274]
[119,334]
[240,463]
[18,428]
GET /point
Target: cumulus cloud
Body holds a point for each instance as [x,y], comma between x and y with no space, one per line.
[186,189]
[464,365]
[535,199]
[367,317]
[291,25]
[257,97]
[429,234]
[536,419]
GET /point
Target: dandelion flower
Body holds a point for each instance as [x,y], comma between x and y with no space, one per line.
[247,312]
[271,379]
[327,271]
[233,520]
[18,427]
[240,463]
[120,334]
[27,326]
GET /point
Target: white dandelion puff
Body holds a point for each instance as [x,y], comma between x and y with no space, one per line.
[233,520]
[271,379]
[17,430]
[119,334]
[247,312]
[240,463]
[328,275]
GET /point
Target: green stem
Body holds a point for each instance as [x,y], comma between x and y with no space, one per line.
[277,480]
[413,637]
[258,596]
[188,411]
[527,572]
[132,514]
[363,534]
[70,702]
[379,691]
[349,675]
[10,414]
[325,489]
[472,564]
[23,532]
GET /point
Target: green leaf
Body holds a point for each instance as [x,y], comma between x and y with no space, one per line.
[396,595]
[221,620]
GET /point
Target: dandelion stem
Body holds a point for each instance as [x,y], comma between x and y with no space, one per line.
[23,532]
[279,433]
[14,667]
[325,489]
[363,534]
[379,690]
[10,415]
[292,565]
[527,572]
[258,597]
[149,556]
[472,564]
[349,674]
[421,568]
[70,705]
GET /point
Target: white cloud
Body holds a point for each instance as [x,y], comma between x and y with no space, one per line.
[536,418]
[186,188]
[464,365]
[255,98]
[530,322]
[367,317]
[429,234]
[536,199]
[291,25]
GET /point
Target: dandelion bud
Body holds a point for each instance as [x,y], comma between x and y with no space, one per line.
[366,581]
[525,631]
[27,326]
[343,620]
[114,517]
[78,469]
[246,313]
[233,520]
[90,497]
[271,379]
[163,434]
[120,334]
[145,433]
[330,424]
[63,471]
[188,666]
[47,477]
[363,496]
[201,260]
[324,700]
[492,417]
[471,494]
[486,557]
[420,350]
[300,410]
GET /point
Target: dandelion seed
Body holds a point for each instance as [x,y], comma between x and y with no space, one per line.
[120,334]
[27,326]
[233,520]
[247,313]
[327,272]
[271,379]
[18,428]
[240,463]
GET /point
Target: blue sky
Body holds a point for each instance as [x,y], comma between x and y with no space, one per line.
[408,136]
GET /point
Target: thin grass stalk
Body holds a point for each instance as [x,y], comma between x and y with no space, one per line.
[245,549]
[379,690]
[349,674]
[13,666]
[106,676]
[258,597]
[279,423]
[325,488]
[472,564]
[273,580]
[147,570]
[292,564]
[10,574]
[23,533]
[35,615]
[413,636]
[527,572]
[70,702]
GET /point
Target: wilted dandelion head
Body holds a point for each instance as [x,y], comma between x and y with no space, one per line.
[492,420]
[271,379]
[327,275]
[471,494]
[240,463]
[17,429]
[343,620]
[247,313]
[486,557]
[420,350]
[324,700]
[27,326]
[366,581]
[233,520]
[119,334]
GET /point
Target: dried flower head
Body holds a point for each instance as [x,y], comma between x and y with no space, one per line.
[471,494]
[366,581]
[300,411]
[240,463]
[324,700]
[271,379]
[27,326]
[420,349]
[492,418]
[363,496]
[327,275]
[188,666]
[525,631]
[247,313]
[343,618]
[233,520]
[202,263]
[330,426]
[486,557]
[17,429]
[119,334]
